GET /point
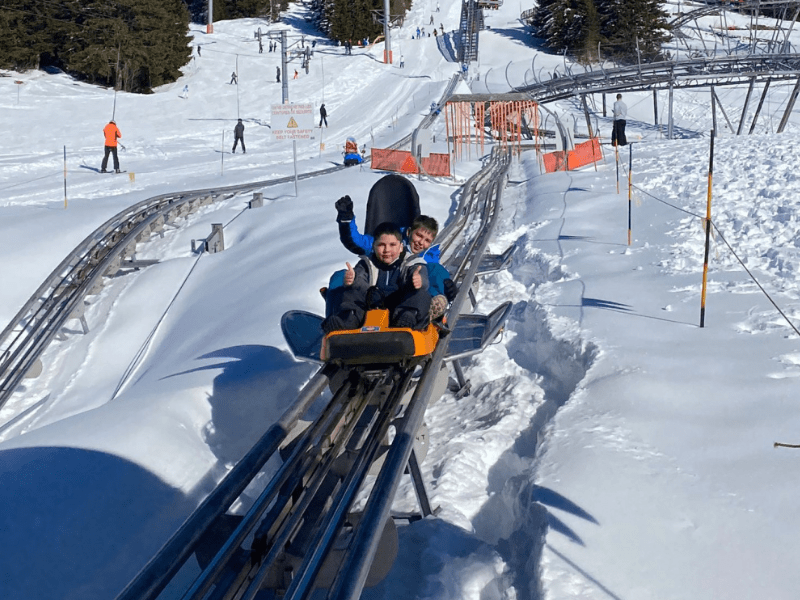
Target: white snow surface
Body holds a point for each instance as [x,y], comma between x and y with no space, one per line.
[610,446]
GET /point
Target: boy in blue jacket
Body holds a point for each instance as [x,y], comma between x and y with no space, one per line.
[419,240]
[397,274]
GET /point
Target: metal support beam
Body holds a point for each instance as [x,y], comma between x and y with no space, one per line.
[789,106]
[655,109]
[746,104]
[586,114]
[419,485]
[461,381]
[669,122]
[722,110]
[758,108]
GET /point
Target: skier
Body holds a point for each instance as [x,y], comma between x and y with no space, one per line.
[620,116]
[402,61]
[234,80]
[295,74]
[278,74]
[185,92]
[323,116]
[238,136]
[111,133]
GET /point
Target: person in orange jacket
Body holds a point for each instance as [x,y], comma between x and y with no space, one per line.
[111,132]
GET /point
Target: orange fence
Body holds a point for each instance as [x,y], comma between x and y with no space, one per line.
[583,154]
[401,161]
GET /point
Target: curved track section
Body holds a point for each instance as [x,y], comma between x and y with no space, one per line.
[697,72]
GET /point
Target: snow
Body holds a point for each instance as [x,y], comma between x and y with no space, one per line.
[610,446]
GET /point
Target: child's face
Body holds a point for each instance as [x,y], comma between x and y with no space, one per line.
[420,240]
[387,248]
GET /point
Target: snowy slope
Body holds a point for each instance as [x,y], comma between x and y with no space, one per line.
[610,446]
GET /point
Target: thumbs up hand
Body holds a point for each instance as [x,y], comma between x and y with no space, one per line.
[416,278]
[349,275]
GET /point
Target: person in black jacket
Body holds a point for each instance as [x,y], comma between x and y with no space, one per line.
[238,136]
[323,116]
[400,278]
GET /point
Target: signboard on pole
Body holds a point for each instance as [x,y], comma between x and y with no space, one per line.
[292,122]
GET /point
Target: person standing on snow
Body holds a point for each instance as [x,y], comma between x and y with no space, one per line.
[234,79]
[323,116]
[238,136]
[402,61]
[111,133]
[278,74]
[618,129]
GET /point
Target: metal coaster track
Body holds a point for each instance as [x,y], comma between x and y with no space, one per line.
[307,504]
[689,73]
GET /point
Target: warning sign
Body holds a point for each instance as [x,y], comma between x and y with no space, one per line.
[292,121]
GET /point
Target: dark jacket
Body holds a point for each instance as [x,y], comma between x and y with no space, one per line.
[361,243]
[395,281]
[322,112]
[238,131]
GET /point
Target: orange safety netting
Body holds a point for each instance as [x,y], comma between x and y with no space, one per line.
[583,154]
[467,123]
[401,161]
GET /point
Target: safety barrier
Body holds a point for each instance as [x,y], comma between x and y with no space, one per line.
[401,161]
[583,154]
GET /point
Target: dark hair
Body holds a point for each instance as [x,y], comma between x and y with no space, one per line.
[387,228]
[619,96]
[425,222]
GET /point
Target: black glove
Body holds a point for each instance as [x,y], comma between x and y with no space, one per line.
[450,289]
[344,207]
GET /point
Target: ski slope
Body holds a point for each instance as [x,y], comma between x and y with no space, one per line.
[610,447]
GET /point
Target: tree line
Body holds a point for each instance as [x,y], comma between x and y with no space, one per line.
[136,45]
[591,30]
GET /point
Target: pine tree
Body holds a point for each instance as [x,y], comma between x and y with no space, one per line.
[569,26]
[624,22]
[134,44]
[352,20]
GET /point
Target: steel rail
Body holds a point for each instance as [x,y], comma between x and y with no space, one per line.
[157,573]
[361,552]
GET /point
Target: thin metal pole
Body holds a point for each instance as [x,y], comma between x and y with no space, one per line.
[630,189]
[708,235]
[669,124]
[294,152]
[222,155]
[65,177]
[713,110]
[237,87]
[284,71]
